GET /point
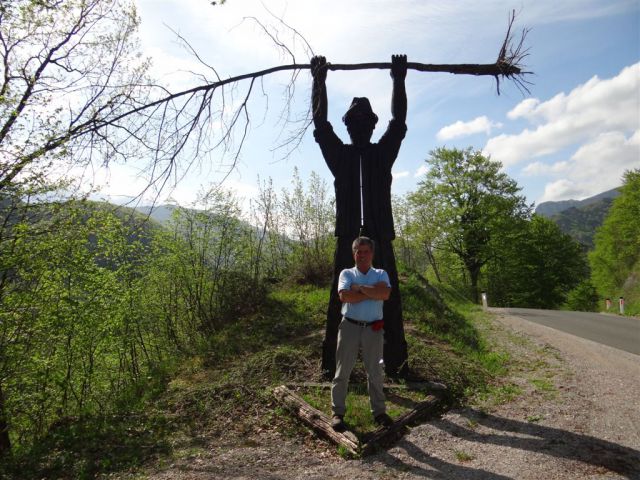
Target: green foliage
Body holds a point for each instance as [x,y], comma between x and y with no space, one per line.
[344,452]
[104,316]
[67,66]
[467,362]
[464,205]
[423,304]
[500,394]
[468,226]
[294,231]
[463,456]
[580,223]
[416,235]
[72,341]
[84,447]
[537,266]
[584,297]
[97,307]
[615,260]
[308,219]
[545,386]
[200,275]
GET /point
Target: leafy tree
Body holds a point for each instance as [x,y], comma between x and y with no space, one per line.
[71,341]
[471,204]
[308,217]
[537,266]
[270,244]
[65,68]
[615,260]
[206,264]
[415,234]
[584,297]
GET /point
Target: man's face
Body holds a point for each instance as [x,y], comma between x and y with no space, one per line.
[363,257]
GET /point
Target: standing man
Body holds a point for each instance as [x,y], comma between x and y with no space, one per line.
[362,173]
[362,290]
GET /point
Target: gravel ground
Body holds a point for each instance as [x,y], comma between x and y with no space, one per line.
[571,410]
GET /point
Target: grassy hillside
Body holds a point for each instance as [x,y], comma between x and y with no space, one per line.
[225,393]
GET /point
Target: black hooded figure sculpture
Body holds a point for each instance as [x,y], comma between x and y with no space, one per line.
[362,181]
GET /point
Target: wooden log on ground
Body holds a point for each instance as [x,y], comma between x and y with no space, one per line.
[317,420]
[428,407]
[426,385]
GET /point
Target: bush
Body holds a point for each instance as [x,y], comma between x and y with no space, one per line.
[583,298]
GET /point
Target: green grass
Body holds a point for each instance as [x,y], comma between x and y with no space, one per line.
[493,395]
[463,456]
[358,416]
[545,386]
[81,448]
[224,392]
[535,418]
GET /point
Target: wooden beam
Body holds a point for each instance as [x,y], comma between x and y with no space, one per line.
[321,423]
[317,420]
[429,407]
[426,385]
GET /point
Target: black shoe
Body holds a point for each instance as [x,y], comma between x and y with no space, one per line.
[337,423]
[384,420]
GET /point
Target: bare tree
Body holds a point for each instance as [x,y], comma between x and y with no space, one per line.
[74,89]
[66,66]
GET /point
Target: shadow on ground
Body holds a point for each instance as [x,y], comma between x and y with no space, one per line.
[514,434]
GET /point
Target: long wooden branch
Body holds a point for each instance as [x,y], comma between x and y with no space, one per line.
[508,65]
[492,69]
[498,69]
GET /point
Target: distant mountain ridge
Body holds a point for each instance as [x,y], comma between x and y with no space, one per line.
[580,218]
[549,209]
[160,213]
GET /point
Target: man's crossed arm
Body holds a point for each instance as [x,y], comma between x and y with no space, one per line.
[359,293]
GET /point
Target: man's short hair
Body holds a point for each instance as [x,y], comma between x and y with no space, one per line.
[363,241]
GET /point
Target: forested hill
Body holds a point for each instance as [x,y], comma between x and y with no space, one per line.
[579,218]
[160,213]
[581,222]
[549,209]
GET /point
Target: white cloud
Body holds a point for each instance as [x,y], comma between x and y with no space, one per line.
[397,175]
[584,172]
[463,129]
[539,168]
[421,171]
[524,108]
[598,106]
[561,190]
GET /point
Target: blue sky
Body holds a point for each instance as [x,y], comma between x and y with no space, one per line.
[571,137]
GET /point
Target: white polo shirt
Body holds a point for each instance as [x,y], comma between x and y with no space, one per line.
[368,310]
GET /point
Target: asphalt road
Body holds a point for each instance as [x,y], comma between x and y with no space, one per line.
[612,330]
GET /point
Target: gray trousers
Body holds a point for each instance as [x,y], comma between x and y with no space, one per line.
[352,338]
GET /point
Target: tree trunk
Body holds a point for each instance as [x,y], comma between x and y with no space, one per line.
[474,273]
[5,441]
[432,261]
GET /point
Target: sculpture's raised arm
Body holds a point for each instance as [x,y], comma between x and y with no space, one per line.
[319,90]
[399,94]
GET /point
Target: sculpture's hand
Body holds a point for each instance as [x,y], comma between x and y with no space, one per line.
[319,68]
[398,67]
